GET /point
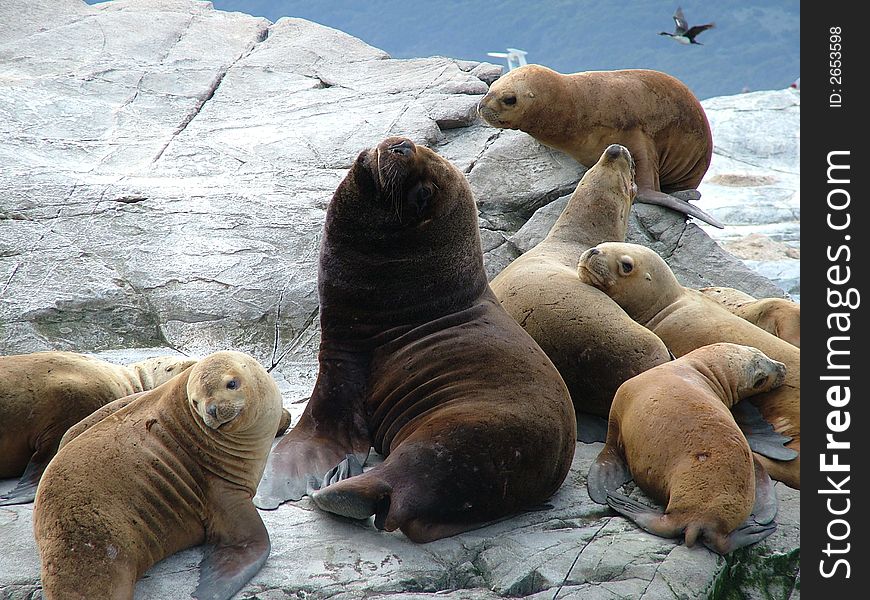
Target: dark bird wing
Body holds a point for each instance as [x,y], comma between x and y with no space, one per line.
[680,20]
[698,29]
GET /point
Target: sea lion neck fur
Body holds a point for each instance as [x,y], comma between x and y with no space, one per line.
[600,205]
[370,251]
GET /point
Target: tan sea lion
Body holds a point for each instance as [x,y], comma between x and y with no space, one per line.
[44,393]
[651,113]
[594,344]
[641,282]
[671,430]
[418,359]
[175,468]
[778,316]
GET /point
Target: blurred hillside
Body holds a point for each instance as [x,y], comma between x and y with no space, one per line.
[754,45]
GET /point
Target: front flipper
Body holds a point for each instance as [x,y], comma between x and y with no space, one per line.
[332,426]
[650,196]
[760,434]
[25,491]
[606,474]
[237,547]
[591,428]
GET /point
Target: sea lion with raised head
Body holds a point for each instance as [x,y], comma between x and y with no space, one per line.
[418,359]
[651,113]
[642,283]
[44,393]
[594,344]
[778,316]
[175,468]
[671,430]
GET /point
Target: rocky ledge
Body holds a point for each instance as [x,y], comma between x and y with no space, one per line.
[166,172]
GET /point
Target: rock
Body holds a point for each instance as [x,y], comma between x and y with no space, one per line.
[164,188]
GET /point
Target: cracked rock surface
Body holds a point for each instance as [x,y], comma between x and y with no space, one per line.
[166,169]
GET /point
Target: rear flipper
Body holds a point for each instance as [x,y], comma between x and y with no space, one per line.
[765,507]
[356,497]
[238,547]
[760,434]
[647,518]
[25,491]
[606,475]
[748,533]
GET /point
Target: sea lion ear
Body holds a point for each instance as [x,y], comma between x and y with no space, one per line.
[648,276]
[531,94]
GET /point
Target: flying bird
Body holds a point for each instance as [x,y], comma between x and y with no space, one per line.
[682,33]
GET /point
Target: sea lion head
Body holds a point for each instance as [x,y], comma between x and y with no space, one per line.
[514,99]
[635,277]
[614,171]
[747,371]
[232,393]
[398,186]
[156,371]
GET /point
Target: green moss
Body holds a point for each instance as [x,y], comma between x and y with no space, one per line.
[750,575]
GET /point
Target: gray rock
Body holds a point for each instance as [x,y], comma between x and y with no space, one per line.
[166,173]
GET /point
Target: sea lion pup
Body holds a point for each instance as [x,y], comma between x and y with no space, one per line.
[671,430]
[418,359]
[44,393]
[642,283]
[175,468]
[778,316]
[594,344]
[651,113]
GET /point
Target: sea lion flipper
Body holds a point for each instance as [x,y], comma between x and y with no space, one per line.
[760,434]
[25,491]
[646,517]
[591,428]
[649,196]
[284,424]
[749,533]
[606,474]
[238,551]
[765,507]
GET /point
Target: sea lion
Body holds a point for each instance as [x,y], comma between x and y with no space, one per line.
[641,282]
[651,113]
[594,344]
[778,316]
[671,430]
[175,468]
[418,359]
[44,393]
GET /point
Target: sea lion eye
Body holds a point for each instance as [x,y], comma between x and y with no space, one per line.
[232,384]
[760,382]
[419,197]
[510,100]
[169,369]
[626,266]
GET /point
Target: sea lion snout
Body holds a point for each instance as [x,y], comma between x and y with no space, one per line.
[614,151]
[404,147]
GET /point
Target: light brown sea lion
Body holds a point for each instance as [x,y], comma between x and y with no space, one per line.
[418,359]
[651,113]
[778,316]
[175,468]
[591,340]
[671,430]
[44,393]
[641,282]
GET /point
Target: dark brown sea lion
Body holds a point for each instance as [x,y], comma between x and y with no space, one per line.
[44,393]
[641,282]
[671,430]
[591,340]
[418,359]
[651,113]
[175,468]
